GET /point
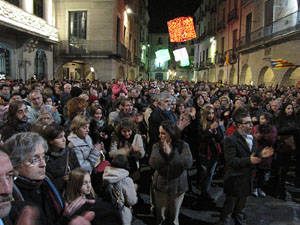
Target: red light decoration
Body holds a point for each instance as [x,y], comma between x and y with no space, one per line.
[181,29]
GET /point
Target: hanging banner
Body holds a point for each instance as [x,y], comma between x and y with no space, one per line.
[181,29]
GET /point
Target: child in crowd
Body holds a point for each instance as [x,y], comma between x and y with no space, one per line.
[79,184]
[121,187]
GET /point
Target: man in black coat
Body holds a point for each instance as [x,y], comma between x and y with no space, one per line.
[241,155]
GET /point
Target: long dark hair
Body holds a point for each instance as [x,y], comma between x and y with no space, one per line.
[172,130]
[266,128]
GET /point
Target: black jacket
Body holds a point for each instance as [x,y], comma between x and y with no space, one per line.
[238,178]
[56,166]
[13,127]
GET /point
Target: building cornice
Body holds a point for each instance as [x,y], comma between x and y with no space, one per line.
[17,18]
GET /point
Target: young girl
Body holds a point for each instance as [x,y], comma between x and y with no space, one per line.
[79,184]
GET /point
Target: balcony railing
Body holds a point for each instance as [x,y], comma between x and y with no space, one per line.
[280,28]
[221,25]
[232,56]
[245,2]
[206,34]
[220,59]
[213,9]
[232,15]
[91,48]
[208,62]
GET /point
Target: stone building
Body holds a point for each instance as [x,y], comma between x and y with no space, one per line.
[26,39]
[250,34]
[100,39]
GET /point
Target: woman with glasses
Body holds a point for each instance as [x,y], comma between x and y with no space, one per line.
[27,152]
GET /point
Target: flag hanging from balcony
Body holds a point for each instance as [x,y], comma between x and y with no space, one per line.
[180,54]
[280,63]
[181,29]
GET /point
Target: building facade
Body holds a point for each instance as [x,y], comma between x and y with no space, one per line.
[27,37]
[249,35]
[100,39]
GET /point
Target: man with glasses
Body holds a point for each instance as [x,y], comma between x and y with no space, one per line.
[17,120]
[27,152]
[241,154]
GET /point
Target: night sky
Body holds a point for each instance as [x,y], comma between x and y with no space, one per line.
[161,11]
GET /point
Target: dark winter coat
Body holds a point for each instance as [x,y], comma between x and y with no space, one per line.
[13,127]
[170,174]
[238,178]
[56,166]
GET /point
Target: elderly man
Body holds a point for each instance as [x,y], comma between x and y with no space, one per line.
[17,120]
[28,216]
[38,106]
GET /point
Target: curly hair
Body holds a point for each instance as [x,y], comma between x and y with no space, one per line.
[75,105]
[126,123]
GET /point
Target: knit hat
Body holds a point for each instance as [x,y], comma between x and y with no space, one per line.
[92,99]
[75,92]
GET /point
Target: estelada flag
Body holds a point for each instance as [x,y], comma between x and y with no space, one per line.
[280,63]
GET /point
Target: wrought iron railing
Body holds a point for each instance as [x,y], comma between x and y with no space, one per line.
[281,27]
[91,48]
[232,15]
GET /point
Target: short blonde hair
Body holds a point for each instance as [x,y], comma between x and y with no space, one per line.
[78,122]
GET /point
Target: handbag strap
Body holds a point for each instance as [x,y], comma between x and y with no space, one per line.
[67,163]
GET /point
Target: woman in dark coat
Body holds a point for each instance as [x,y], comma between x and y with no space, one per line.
[287,128]
[266,135]
[170,158]
[62,159]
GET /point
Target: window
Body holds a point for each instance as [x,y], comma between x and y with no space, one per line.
[234,39]
[39,64]
[77,30]
[14,2]
[118,29]
[222,44]
[38,8]
[159,41]
[4,61]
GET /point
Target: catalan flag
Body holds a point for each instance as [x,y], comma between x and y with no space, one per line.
[280,63]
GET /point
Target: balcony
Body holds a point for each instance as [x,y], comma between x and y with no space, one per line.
[220,59]
[207,34]
[93,49]
[213,9]
[208,62]
[281,30]
[245,2]
[232,15]
[221,25]
[232,56]
[17,18]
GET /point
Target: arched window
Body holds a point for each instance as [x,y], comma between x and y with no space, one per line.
[4,61]
[40,64]
[38,8]
[14,2]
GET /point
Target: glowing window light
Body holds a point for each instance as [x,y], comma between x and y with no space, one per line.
[181,29]
[180,54]
[184,62]
[162,55]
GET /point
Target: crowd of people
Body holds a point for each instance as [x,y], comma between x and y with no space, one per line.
[76,148]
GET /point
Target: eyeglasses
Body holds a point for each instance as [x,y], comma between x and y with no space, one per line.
[248,122]
[36,160]
[11,176]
